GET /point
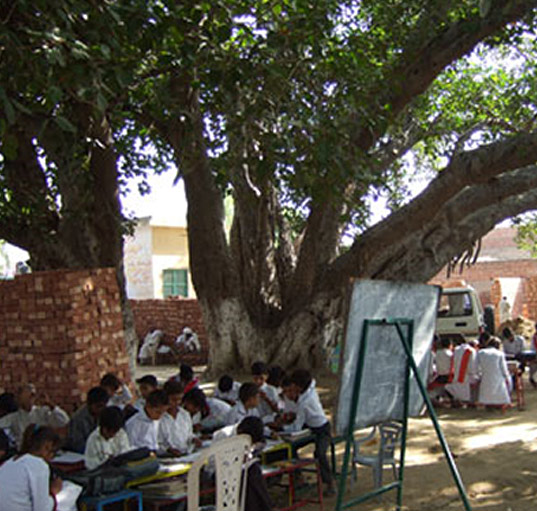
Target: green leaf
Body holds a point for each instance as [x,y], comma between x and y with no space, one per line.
[10,147]
[64,124]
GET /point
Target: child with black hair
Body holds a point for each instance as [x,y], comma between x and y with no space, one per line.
[85,419]
[257,497]
[119,393]
[142,427]
[310,414]
[276,374]
[108,440]
[8,404]
[288,398]
[28,412]
[4,446]
[146,385]
[175,432]
[208,414]
[246,406]
[25,479]
[186,378]
[227,390]
[269,402]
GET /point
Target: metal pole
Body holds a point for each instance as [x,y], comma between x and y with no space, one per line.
[436,424]
[349,434]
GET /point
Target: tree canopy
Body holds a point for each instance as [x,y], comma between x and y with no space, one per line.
[304,112]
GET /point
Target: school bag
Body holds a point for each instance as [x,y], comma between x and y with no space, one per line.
[113,475]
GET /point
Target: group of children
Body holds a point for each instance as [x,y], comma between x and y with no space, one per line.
[170,420]
[473,372]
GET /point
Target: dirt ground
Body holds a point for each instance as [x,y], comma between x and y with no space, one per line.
[495,454]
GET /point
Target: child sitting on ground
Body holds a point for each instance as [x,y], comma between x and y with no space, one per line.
[310,414]
[142,427]
[227,390]
[25,479]
[269,402]
[119,393]
[175,432]
[108,440]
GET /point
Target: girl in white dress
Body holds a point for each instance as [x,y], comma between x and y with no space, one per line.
[25,483]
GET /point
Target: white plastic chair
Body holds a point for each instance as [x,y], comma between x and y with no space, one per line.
[231,468]
[390,440]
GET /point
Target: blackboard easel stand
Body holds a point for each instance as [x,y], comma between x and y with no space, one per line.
[406,340]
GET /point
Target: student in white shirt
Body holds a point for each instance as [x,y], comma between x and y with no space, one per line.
[142,427]
[227,390]
[464,373]
[175,432]
[146,385]
[29,413]
[108,440]
[269,402]
[25,479]
[288,399]
[494,389]
[119,393]
[208,414]
[246,406]
[310,414]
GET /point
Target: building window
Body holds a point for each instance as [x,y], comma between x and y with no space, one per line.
[175,283]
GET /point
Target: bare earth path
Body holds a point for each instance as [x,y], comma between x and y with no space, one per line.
[496,455]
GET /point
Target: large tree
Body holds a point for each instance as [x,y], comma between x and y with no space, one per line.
[301,111]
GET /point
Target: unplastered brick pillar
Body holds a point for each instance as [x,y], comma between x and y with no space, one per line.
[495,297]
[531,297]
[61,330]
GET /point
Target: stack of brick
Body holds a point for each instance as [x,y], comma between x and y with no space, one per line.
[530,287]
[171,316]
[495,297]
[61,330]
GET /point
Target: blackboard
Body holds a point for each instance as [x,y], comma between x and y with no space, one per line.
[383,379]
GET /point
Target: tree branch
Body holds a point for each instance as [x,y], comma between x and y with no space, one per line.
[458,225]
[465,169]
[421,63]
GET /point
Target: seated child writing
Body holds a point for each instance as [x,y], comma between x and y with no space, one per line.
[45,414]
[25,479]
[208,414]
[246,406]
[107,440]
[269,402]
[227,389]
[85,419]
[119,393]
[142,427]
[175,432]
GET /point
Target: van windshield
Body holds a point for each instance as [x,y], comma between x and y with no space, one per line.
[455,304]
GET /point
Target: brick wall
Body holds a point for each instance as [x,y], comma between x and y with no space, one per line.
[171,315]
[61,330]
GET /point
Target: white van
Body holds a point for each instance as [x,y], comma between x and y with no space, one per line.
[460,313]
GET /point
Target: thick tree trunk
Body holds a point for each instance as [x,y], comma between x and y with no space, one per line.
[305,339]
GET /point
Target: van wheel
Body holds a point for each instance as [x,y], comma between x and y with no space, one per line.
[488,316]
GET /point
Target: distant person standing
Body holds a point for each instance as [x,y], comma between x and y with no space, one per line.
[505,310]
